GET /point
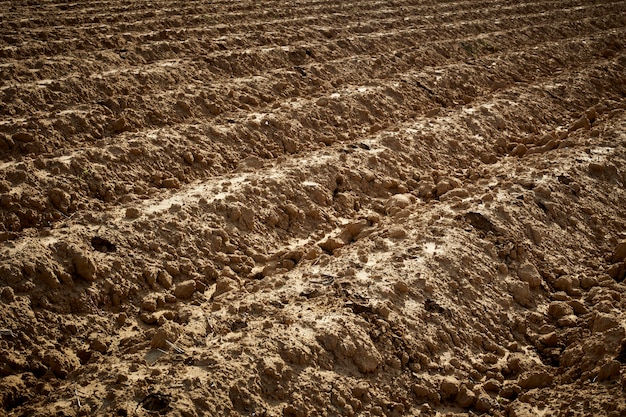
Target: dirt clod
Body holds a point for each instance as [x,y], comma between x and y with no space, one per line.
[185,289]
[322,208]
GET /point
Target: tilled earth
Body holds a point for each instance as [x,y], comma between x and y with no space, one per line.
[313,208]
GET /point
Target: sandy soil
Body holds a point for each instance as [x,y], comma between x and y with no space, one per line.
[313,208]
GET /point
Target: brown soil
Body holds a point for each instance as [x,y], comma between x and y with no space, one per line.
[313,208]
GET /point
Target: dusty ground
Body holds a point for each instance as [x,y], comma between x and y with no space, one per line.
[313,208]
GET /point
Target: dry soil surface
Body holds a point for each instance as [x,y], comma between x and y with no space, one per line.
[313,208]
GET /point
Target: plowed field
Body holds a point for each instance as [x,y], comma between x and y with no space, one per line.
[313,208]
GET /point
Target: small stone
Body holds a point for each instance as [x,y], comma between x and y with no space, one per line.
[185,289]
